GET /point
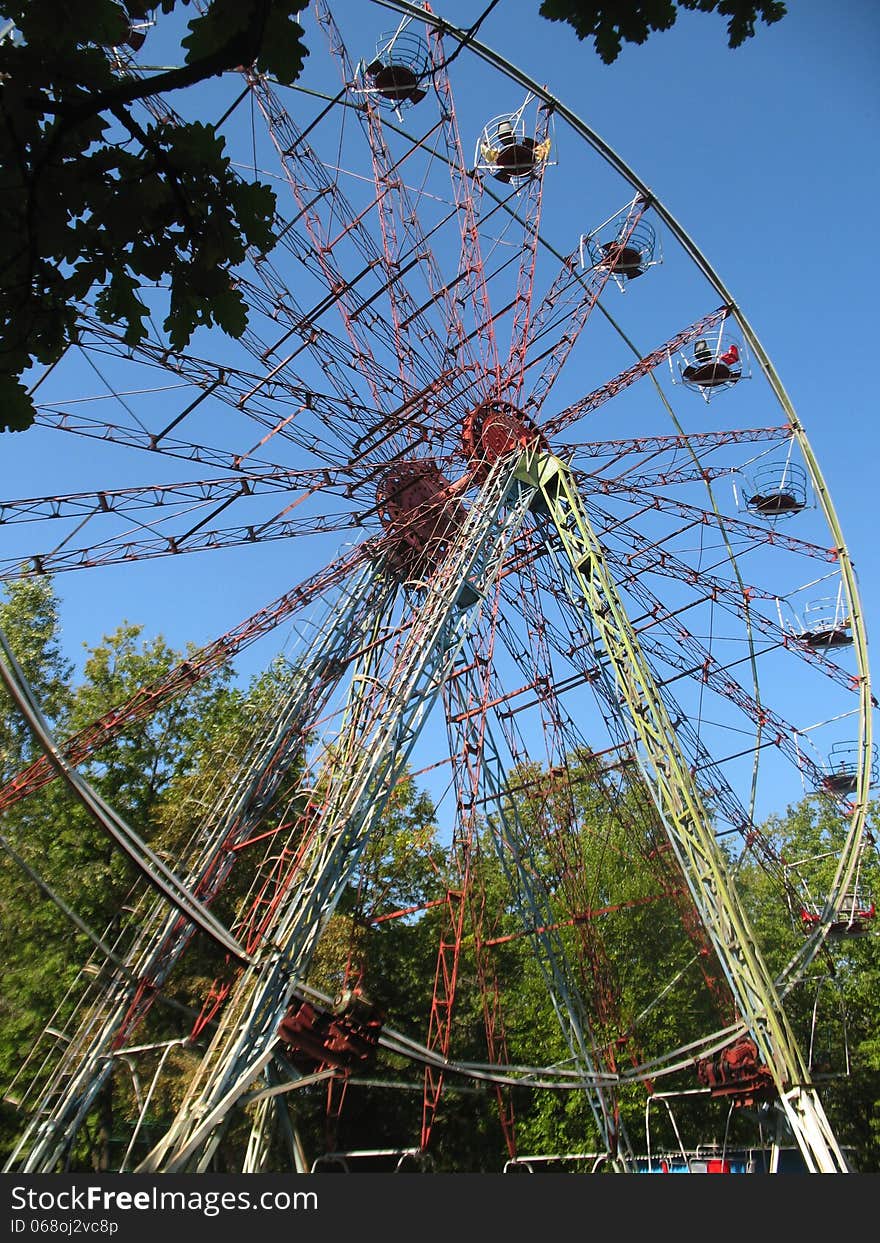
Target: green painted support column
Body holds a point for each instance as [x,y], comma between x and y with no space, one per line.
[687,821]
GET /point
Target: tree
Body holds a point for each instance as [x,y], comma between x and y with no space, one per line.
[611,22]
[596,844]
[33,944]
[137,770]
[835,1007]
[29,619]
[98,203]
[106,212]
[53,852]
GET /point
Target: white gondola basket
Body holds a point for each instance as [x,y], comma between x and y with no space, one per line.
[509,150]
[714,362]
[623,250]
[398,73]
[773,491]
[842,768]
[821,623]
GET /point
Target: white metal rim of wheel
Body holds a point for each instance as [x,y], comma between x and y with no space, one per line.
[708,572]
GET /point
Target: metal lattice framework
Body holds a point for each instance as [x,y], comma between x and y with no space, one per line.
[562,573]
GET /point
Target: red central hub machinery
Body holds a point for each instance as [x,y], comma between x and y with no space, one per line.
[418,509]
[344,1037]
[737,1072]
[494,429]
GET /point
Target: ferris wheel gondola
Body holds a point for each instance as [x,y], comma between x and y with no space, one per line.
[539,575]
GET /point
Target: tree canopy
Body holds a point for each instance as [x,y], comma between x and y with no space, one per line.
[392,922]
[611,23]
[99,204]
[96,201]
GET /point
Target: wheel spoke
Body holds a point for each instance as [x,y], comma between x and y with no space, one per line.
[607,664]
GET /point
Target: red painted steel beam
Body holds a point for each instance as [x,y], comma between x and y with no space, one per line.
[619,449]
[148,699]
[592,288]
[599,396]
[124,500]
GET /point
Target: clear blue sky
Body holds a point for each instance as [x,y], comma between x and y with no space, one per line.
[767,156]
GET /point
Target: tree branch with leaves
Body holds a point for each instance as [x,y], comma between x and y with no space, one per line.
[611,23]
[97,202]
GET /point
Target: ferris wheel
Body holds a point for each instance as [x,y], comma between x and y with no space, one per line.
[549,531]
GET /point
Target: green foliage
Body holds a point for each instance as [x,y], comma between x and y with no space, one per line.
[97,203]
[29,619]
[610,23]
[836,1008]
[144,760]
[41,950]
[618,904]
[610,889]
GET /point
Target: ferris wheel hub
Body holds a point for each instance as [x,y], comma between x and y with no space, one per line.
[492,430]
[419,513]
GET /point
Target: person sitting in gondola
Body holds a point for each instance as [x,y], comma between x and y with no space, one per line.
[504,137]
[512,156]
[708,370]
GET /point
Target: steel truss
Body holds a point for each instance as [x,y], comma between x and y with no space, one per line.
[369,755]
[607,569]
